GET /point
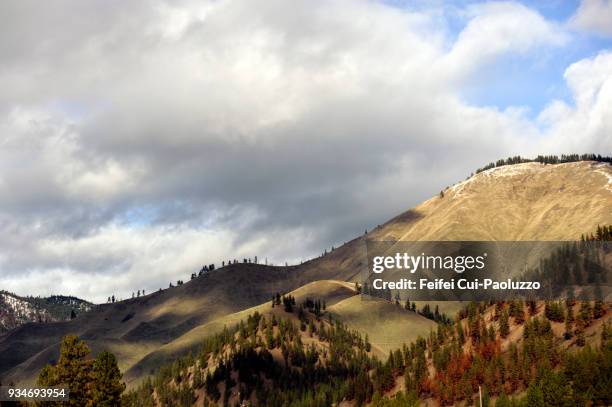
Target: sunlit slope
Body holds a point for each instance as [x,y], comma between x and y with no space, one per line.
[528,201]
[387,325]
[134,327]
[329,291]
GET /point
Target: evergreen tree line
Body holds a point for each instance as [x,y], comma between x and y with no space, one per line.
[237,366]
[602,234]
[580,263]
[546,159]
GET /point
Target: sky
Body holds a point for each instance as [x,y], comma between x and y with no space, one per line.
[141,140]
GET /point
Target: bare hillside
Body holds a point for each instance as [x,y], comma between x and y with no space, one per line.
[529,201]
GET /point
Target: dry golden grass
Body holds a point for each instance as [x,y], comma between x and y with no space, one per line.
[387,325]
[528,201]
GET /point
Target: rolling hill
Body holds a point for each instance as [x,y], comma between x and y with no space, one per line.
[528,201]
[302,360]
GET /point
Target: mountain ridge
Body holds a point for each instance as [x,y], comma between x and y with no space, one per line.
[16,310]
[528,201]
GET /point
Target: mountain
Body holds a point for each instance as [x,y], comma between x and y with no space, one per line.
[527,201]
[16,310]
[296,358]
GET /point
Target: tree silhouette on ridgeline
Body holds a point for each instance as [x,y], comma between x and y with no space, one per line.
[546,159]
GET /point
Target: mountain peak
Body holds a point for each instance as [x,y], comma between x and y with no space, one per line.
[16,310]
[526,201]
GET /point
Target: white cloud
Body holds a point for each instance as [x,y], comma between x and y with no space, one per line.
[116,260]
[588,77]
[498,28]
[589,121]
[594,16]
[193,132]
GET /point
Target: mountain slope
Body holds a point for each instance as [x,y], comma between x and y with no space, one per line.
[518,202]
[326,290]
[529,201]
[16,310]
[387,325]
[279,361]
[134,326]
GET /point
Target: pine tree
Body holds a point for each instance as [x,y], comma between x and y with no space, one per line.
[72,370]
[460,333]
[90,384]
[503,401]
[504,326]
[598,309]
[580,339]
[517,311]
[107,386]
[474,327]
[535,397]
[606,332]
[568,329]
[499,307]
[586,313]
[532,307]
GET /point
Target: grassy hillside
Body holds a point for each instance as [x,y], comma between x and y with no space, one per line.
[387,325]
[279,361]
[327,290]
[134,327]
[529,201]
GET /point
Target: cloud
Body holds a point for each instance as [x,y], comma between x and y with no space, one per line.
[142,141]
[500,28]
[594,16]
[589,121]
